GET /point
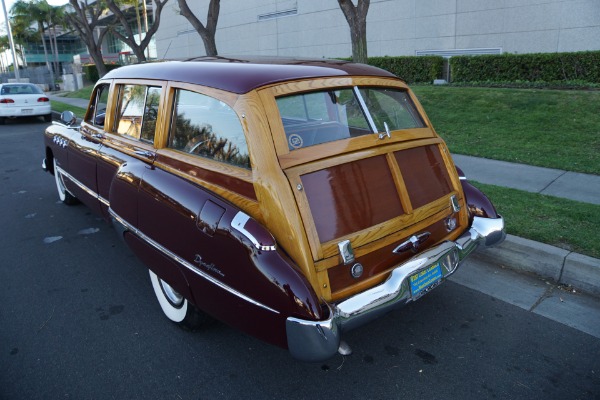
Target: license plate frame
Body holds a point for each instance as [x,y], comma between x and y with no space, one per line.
[27,110]
[425,280]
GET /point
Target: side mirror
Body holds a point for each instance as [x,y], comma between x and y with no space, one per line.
[68,118]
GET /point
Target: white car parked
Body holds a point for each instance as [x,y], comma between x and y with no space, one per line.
[23,100]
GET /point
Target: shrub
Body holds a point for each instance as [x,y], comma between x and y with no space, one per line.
[539,67]
[411,69]
[91,72]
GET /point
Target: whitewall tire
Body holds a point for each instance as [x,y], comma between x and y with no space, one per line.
[175,306]
[63,193]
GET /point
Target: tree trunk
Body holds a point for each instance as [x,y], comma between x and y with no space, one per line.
[358,31]
[138,49]
[207,33]
[50,69]
[356,16]
[85,20]
[56,57]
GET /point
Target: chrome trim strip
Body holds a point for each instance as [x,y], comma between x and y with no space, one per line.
[84,188]
[186,264]
[239,224]
[363,105]
[75,181]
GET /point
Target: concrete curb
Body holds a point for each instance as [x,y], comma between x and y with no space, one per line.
[549,262]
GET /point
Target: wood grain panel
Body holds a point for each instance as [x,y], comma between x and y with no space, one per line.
[425,174]
[351,197]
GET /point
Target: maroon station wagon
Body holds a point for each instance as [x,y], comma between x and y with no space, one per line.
[291,199]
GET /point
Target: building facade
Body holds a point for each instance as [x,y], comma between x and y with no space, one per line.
[317,28]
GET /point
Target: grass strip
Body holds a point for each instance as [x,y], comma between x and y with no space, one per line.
[563,223]
[60,107]
[84,93]
[548,128]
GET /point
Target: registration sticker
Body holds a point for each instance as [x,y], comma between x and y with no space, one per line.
[422,282]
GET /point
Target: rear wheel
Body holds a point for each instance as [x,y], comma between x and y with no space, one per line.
[175,306]
[63,193]
[48,118]
[2,120]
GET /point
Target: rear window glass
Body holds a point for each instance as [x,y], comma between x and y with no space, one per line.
[329,115]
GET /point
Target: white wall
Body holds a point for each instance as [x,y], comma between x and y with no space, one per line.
[394,27]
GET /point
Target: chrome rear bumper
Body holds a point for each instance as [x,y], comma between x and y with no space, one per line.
[319,340]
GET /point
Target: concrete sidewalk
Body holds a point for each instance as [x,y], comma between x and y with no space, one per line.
[553,263]
[81,103]
[553,182]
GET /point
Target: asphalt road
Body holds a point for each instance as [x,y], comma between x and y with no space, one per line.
[79,320]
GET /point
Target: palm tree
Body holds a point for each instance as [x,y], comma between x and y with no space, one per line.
[22,34]
[34,12]
[54,16]
[4,45]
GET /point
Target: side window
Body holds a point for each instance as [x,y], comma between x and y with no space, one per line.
[137,110]
[207,127]
[97,111]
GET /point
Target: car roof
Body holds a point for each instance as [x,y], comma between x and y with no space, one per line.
[239,75]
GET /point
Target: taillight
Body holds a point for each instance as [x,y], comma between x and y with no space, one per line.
[43,99]
[6,101]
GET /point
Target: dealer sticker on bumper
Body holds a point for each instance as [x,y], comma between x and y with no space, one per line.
[421,282]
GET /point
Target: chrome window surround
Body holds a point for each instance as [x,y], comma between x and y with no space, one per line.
[365,109]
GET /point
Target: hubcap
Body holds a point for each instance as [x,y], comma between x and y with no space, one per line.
[171,294]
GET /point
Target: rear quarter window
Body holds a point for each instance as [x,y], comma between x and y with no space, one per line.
[207,127]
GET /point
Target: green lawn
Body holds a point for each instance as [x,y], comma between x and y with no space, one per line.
[548,128]
[84,93]
[568,224]
[60,107]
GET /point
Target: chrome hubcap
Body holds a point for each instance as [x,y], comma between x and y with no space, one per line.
[171,294]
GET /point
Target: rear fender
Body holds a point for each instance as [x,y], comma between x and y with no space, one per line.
[478,203]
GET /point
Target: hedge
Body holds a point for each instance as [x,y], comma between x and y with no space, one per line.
[539,67]
[411,69]
[91,72]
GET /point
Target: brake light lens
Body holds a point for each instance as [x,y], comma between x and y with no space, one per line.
[6,101]
[43,99]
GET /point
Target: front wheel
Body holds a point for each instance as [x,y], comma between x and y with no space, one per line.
[175,306]
[63,193]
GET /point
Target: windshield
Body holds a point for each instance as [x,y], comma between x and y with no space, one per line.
[329,115]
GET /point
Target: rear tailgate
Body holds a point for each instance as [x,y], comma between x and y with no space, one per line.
[376,202]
